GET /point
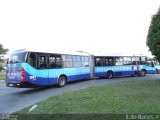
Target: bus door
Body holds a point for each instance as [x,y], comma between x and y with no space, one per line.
[119,66]
[43,71]
[128,66]
[55,68]
[109,62]
[136,62]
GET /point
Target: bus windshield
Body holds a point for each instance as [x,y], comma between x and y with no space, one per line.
[18,57]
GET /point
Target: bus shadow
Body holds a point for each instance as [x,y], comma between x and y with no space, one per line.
[34,90]
[118,77]
[39,89]
[46,88]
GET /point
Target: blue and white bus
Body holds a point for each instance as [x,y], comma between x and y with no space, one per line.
[36,69]
[29,69]
[113,66]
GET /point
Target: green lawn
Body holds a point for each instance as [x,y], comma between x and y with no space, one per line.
[2,76]
[120,98]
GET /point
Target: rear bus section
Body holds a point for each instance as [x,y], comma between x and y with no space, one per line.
[15,73]
[15,76]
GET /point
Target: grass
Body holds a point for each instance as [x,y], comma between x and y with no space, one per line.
[2,76]
[131,97]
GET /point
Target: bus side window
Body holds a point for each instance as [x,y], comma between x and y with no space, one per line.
[119,61]
[67,61]
[58,61]
[55,61]
[100,61]
[52,61]
[32,60]
[135,60]
[127,61]
[42,62]
[109,61]
[77,61]
[85,61]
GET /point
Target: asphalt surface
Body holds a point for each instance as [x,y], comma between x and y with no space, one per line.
[13,99]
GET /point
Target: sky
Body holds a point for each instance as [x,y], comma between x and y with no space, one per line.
[93,26]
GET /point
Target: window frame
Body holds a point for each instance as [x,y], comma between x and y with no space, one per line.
[45,62]
[55,56]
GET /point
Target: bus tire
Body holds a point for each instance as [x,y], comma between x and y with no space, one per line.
[109,75]
[142,73]
[156,71]
[62,81]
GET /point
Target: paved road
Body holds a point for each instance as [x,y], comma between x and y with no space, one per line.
[13,99]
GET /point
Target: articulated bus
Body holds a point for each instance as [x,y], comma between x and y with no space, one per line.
[37,69]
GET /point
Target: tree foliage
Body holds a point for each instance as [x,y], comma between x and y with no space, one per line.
[153,37]
[3,51]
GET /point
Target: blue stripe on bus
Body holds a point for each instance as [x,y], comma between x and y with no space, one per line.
[150,72]
[115,68]
[50,76]
[122,70]
[53,81]
[119,73]
[53,73]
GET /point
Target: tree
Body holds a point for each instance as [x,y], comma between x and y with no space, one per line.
[3,51]
[153,37]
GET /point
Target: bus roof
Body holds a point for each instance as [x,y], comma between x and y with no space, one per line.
[61,53]
[119,56]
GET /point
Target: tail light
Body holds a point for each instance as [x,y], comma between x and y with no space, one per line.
[23,79]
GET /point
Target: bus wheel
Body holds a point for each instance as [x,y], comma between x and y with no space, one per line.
[142,73]
[61,81]
[156,71]
[109,75]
